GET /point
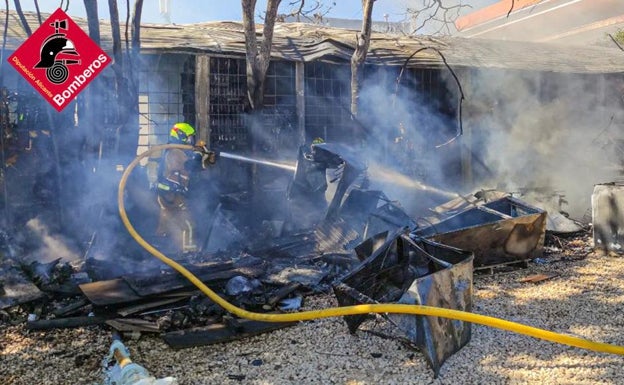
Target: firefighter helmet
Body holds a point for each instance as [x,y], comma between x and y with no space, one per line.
[182,133]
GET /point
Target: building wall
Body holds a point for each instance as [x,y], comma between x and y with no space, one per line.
[165,96]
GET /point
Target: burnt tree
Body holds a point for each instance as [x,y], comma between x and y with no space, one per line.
[362,42]
[20,13]
[258,55]
[126,91]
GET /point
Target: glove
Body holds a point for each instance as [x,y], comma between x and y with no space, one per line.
[208,157]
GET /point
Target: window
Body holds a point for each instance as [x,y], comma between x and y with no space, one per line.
[228,99]
[328,101]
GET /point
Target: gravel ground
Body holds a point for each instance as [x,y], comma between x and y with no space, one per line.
[585,299]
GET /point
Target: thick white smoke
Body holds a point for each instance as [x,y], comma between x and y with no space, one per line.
[548,131]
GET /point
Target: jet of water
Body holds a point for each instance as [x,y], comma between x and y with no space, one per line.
[284,166]
[384,174]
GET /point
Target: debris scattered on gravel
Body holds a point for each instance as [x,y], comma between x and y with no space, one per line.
[584,299]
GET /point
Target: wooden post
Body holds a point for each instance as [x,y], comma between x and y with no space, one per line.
[466,139]
[202,97]
[300,90]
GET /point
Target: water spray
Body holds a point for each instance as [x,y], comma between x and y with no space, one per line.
[384,174]
[284,166]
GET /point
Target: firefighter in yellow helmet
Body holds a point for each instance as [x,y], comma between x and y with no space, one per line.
[174,175]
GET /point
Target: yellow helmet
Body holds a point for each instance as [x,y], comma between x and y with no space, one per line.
[318,141]
[182,133]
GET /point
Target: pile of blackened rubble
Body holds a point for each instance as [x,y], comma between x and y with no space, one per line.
[360,245]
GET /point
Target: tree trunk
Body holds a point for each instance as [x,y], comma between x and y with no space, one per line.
[258,58]
[91,111]
[359,55]
[116,32]
[131,99]
[136,28]
[92,20]
[125,137]
[18,9]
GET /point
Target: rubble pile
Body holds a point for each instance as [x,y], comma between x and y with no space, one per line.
[583,295]
[358,245]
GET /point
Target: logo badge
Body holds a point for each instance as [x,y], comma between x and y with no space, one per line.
[59,60]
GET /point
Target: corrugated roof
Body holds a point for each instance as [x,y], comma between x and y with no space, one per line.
[307,42]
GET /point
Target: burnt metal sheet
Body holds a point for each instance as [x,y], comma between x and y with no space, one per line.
[109,292]
[15,287]
[501,231]
[335,236]
[607,203]
[414,271]
[353,211]
[310,184]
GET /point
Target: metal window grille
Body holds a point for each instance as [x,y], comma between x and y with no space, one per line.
[228,104]
[327,102]
[280,106]
[228,101]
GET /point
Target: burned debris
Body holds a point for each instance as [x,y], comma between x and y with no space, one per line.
[402,268]
[332,232]
[336,234]
[607,217]
[499,229]
[273,273]
[318,225]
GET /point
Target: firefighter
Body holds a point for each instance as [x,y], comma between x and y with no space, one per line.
[175,168]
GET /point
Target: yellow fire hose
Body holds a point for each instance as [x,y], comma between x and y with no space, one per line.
[347,310]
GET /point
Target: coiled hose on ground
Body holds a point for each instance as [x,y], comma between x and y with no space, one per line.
[345,310]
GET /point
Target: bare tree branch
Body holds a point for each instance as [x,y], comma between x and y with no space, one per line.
[312,13]
[258,57]
[114,20]
[38,11]
[435,11]
[513,3]
[615,41]
[127,23]
[136,26]
[92,20]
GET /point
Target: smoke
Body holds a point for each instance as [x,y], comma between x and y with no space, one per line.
[406,127]
[556,133]
[51,246]
[545,131]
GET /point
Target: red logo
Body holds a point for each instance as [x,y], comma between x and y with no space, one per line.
[59,59]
